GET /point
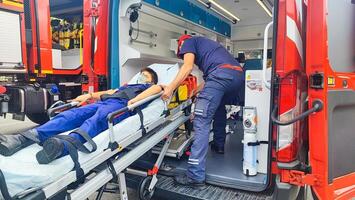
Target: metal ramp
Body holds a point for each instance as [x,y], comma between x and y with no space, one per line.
[167,189]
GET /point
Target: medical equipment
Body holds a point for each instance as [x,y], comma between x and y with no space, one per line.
[256,122]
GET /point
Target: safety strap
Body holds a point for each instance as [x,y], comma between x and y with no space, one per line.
[77,144]
[3,187]
[257,143]
[141,117]
[87,137]
[177,98]
[112,170]
[74,145]
[73,153]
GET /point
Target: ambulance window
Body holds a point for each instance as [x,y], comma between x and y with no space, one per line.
[341,35]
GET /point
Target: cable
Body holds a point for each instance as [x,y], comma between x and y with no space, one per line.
[131,31]
[133,17]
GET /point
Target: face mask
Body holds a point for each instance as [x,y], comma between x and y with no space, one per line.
[142,79]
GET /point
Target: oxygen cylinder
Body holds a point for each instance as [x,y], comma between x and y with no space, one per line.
[250,154]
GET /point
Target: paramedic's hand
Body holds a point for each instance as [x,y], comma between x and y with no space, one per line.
[83,99]
[168,92]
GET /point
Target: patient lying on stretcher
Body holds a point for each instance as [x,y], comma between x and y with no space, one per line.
[88,120]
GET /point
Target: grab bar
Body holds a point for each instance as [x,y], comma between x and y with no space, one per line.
[150,33]
[150,44]
[266,41]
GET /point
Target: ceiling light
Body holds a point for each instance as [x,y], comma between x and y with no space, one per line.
[234,21]
[223,9]
[208,5]
[262,4]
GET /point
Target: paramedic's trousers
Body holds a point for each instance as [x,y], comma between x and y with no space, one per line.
[224,86]
[90,119]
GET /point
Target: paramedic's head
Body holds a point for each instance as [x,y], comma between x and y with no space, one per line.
[181,41]
[148,76]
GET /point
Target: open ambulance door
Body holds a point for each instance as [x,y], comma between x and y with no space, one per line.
[290,96]
[330,64]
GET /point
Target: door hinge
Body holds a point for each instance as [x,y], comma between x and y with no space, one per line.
[299,178]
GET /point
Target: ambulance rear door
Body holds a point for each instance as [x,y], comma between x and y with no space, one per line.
[330,67]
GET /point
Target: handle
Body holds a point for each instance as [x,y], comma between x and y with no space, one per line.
[52,111]
[266,41]
[317,106]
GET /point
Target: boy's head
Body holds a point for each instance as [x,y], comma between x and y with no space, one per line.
[148,76]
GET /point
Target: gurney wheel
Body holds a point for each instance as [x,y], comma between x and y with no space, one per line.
[143,192]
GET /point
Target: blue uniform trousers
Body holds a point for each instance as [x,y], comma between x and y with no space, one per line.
[90,119]
[222,87]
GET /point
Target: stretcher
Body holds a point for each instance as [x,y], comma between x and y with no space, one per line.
[21,177]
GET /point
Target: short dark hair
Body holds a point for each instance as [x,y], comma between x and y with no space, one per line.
[152,73]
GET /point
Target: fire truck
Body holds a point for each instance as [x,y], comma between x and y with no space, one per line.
[309,132]
[42,56]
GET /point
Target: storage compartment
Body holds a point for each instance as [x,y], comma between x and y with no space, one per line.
[10,40]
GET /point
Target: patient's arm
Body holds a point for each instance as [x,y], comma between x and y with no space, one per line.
[96,95]
[155,89]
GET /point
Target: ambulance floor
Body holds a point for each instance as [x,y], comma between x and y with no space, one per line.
[225,170]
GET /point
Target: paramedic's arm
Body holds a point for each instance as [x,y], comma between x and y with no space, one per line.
[96,95]
[155,89]
[185,70]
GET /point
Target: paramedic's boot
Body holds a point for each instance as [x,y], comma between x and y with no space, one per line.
[52,149]
[10,144]
[217,149]
[184,180]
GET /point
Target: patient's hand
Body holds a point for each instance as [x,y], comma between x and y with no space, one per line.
[130,102]
[82,99]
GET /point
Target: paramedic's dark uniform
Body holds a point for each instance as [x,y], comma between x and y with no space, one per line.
[90,119]
[224,85]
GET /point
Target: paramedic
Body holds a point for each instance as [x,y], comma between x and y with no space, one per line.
[224,85]
[88,121]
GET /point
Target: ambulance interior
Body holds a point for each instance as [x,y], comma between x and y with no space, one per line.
[151,38]
[67,31]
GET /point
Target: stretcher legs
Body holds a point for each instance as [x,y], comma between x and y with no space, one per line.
[147,186]
[160,161]
[122,186]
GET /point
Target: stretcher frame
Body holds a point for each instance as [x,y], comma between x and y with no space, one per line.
[118,163]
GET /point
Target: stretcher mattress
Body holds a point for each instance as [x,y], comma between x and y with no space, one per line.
[23,172]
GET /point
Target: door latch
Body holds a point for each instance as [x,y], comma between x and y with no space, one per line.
[316,80]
